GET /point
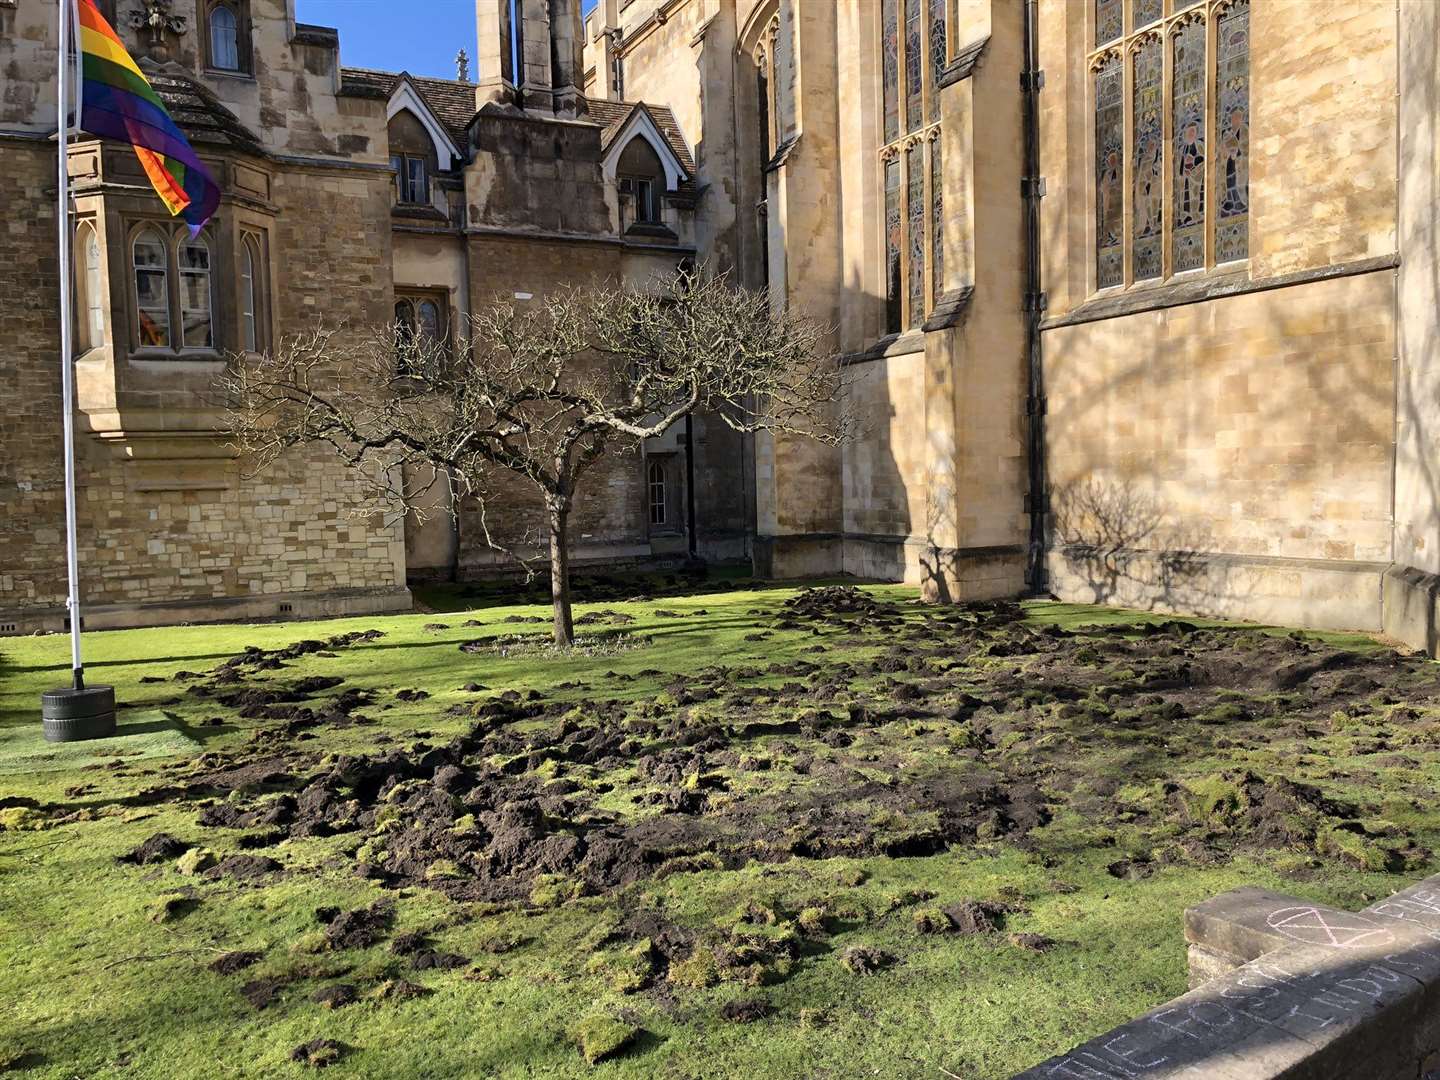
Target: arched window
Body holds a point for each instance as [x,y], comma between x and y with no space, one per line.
[249,320]
[90,305]
[224,38]
[152,289]
[914,51]
[655,485]
[641,179]
[422,333]
[427,322]
[195,315]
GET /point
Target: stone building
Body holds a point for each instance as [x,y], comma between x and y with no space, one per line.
[355,195]
[1138,296]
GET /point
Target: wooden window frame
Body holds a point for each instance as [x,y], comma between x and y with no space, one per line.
[244,49]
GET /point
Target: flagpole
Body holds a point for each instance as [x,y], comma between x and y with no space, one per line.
[76,713]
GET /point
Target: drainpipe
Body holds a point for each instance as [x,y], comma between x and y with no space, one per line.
[690,481]
[1037,501]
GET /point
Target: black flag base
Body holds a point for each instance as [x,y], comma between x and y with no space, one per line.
[79,713]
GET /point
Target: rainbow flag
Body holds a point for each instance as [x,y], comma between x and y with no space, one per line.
[117,102]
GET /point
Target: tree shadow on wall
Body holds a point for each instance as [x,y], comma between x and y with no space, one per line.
[1129,549]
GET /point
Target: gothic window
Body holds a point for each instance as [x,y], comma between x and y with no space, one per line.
[1109,172]
[249,294]
[1109,20]
[152,289]
[1187,124]
[90,290]
[422,333]
[195,314]
[890,62]
[762,96]
[1171,97]
[893,235]
[915,229]
[1147,137]
[658,496]
[914,53]
[226,35]
[937,220]
[1232,168]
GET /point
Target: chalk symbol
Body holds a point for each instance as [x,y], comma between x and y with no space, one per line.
[1336,930]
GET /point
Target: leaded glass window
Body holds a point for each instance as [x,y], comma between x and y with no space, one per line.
[914,65]
[1187,123]
[152,289]
[195,293]
[893,248]
[1148,178]
[937,221]
[914,51]
[1109,20]
[915,229]
[890,75]
[1171,96]
[1232,121]
[1109,172]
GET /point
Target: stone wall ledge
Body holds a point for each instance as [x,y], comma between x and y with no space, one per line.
[1410,606]
[1327,995]
[265,608]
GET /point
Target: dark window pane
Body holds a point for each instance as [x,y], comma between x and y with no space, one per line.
[1149,142]
[1232,123]
[937,219]
[1146,12]
[938,54]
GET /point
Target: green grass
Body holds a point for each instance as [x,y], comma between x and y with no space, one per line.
[94,987]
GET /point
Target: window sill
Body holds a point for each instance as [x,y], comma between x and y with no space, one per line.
[170,356]
[229,73]
[651,230]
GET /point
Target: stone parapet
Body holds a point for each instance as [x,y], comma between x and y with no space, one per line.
[1287,988]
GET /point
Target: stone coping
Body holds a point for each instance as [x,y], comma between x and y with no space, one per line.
[1318,994]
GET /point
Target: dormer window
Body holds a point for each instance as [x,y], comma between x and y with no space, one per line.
[412,157]
[227,38]
[640,178]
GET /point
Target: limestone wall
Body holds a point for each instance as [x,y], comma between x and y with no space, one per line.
[1224,445]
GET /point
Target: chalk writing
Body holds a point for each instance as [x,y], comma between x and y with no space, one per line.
[1334,929]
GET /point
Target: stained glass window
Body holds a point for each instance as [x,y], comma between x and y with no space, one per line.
[1148,190]
[1147,11]
[890,47]
[914,65]
[939,54]
[1110,172]
[937,220]
[1187,122]
[893,238]
[1232,134]
[1109,20]
[915,212]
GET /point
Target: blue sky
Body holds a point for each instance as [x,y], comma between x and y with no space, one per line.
[419,36]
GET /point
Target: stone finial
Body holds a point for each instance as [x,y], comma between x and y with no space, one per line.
[462,66]
[155,16]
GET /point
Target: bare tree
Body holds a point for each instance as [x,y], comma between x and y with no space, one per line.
[538,392]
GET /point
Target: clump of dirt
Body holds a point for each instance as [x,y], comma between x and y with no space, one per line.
[746,1010]
[231,962]
[336,996]
[361,928]
[162,847]
[318,1053]
[865,960]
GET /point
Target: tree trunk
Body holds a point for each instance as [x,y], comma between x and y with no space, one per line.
[560,573]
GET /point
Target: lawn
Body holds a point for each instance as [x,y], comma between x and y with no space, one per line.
[741,831]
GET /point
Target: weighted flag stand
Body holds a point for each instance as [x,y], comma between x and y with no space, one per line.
[77,712]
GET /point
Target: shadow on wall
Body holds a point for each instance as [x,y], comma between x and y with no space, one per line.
[1124,544]
[1226,434]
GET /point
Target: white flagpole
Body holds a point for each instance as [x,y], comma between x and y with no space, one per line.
[65,70]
